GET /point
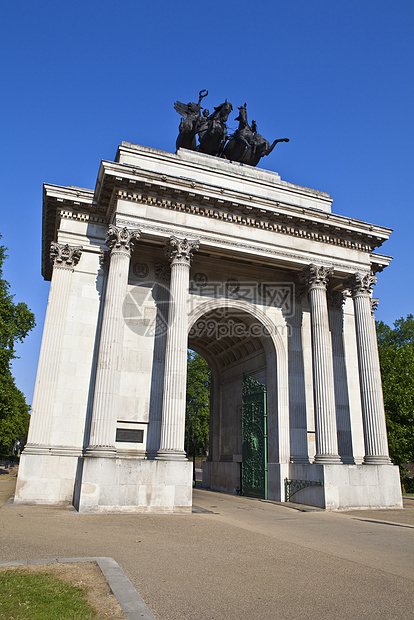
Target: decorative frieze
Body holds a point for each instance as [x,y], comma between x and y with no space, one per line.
[237,245]
[65,256]
[268,220]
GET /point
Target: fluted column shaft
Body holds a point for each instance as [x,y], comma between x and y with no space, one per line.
[373,413]
[105,407]
[64,259]
[323,379]
[180,253]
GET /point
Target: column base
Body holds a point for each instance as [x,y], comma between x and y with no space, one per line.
[327,459]
[35,448]
[101,451]
[51,450]
[299,459]
[373,459]
[171,455]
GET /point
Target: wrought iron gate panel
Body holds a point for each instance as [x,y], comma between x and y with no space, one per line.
[254,439]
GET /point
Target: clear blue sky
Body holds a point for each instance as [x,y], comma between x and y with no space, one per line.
[334,76]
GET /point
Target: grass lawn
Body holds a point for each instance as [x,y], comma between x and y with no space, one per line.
[41,597]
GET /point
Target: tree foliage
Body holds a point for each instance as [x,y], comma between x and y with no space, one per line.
[198,403]
[14,413]
[16,320]
[396,352]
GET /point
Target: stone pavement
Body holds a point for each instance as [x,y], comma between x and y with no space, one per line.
[237,558]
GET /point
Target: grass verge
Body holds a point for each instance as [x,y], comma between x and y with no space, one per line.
[41,597]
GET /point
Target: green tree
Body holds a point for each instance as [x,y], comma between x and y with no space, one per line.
[14,413]
[16,321]
[198,403]
[396,353]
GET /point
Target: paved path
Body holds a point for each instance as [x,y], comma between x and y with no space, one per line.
[244,559]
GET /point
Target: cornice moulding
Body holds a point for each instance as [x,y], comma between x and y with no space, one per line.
[114,177]
[379,262]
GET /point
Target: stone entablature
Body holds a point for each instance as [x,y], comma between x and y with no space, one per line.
[282,213]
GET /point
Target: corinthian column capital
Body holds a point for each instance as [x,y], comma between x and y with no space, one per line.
[121,239]
[316,276]
[374,305]
[65,256]
[361,284]
[181,250]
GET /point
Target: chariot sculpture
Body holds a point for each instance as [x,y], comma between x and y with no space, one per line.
[245,145]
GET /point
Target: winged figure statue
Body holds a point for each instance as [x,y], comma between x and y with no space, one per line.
[189,125]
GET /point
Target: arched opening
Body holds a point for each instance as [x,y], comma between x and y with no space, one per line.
[236,344]
[197,421]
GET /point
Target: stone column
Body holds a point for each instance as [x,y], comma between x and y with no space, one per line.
[373,414]
[180,253]
[105,408]
[316,278]
[64,258]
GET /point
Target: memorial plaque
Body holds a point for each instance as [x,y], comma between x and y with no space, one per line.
[130,435]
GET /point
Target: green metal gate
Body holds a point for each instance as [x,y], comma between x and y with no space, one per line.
[254,439]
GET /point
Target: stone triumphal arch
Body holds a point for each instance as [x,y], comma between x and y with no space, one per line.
[254,273]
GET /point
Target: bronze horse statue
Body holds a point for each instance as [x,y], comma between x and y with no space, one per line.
[189,125]
[242,138]
[259,148]
[213,137]
[246,145]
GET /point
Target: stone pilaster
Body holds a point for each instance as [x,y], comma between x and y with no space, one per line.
[105,409]
[180,253]
[373,414]
[161,295]
[64,259]
[316,278]
[336,300]
[297,389]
